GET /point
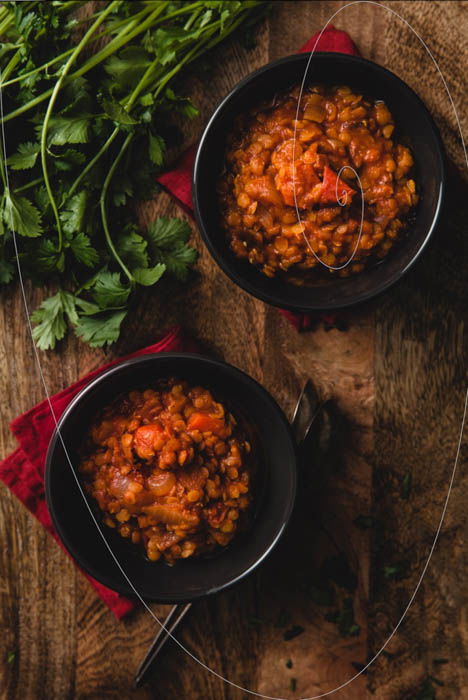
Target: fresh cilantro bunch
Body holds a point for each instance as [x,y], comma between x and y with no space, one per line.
[88,96]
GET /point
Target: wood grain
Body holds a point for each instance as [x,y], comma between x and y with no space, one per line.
[420,377]
[395,380]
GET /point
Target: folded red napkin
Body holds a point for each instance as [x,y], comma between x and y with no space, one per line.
[178,181]
[23,470]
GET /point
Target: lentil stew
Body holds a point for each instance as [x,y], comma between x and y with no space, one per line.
[317,154]
[170,468]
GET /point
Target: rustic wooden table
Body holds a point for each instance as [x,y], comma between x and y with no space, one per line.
[396,376]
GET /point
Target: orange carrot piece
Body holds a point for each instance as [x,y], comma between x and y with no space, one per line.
[205,423]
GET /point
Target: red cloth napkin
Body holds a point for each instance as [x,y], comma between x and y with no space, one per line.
[178,181]
[23,470]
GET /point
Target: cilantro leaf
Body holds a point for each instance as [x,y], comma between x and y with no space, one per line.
[156,149]
[46,258]
[87,308]
[68,129]
[165,42]
[6,271]
[132,248]
[99,330]
[41,198]
[68,159]
[73,215]
[179,260]
[168,239]
[148,276]
[123,189]
[165,233]
[109,291]
[83,250]
[75,96]
[186,108]
[117,112]
[183,105]
[128,67]
[25,157]
[50,318]
[21,216]
[146,100]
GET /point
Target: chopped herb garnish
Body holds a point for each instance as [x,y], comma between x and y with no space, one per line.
[364,522]
[11,656]
[329,587]
[292,632]
[344,619]
[437,681]
[388,655]
[406,484]
[289,663]
[396,571]
[293,684]
[427,691]
[359,667]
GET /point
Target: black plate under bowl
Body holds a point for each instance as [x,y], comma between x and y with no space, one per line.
[274,488]
[415,128]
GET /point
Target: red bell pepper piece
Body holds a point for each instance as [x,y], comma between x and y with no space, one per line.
[334,189]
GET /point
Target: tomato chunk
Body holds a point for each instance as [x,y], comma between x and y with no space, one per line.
[148,440]
[335,189]
[302,177]
[205,423]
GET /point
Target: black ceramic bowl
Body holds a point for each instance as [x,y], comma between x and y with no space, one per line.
[415,127]
[274,490]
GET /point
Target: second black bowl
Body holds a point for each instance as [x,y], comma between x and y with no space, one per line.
[417,129]
[188,579]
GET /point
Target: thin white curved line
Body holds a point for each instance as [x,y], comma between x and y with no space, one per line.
[189,653]
[338,201]
[341,204]
[345,167]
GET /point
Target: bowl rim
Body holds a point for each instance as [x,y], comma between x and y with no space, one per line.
[80,558]
[223,261]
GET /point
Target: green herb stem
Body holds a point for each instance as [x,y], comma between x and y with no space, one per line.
[198,50]
[192,19]
[45,66]
[50,107]
[114,45]
[93,161]
[102,202]
[111,138]
[33,183]
[120,40]
[2,172]
[12,63]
